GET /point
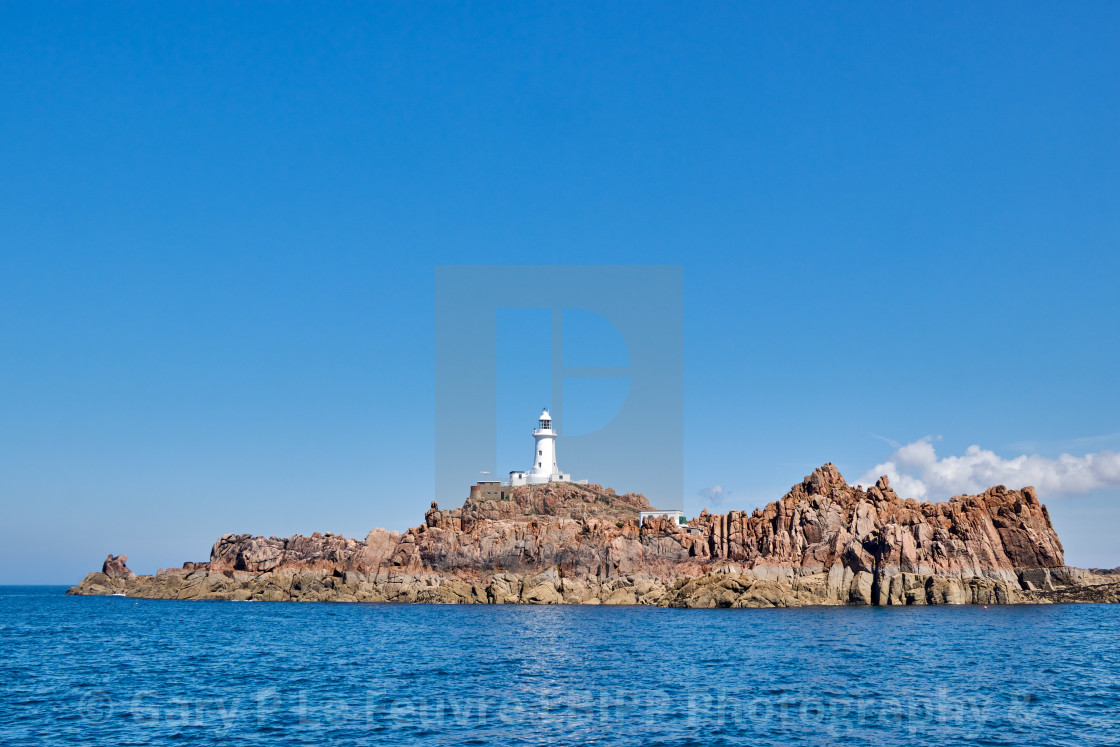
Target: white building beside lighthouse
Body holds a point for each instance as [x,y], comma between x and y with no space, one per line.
[544,467]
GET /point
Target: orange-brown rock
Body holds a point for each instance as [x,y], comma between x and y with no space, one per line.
[116,566]
[824,542]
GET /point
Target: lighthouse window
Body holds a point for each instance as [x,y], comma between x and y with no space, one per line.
[540,453]
[538,464]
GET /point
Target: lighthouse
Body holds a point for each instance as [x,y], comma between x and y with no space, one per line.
[544,463]
[544,467]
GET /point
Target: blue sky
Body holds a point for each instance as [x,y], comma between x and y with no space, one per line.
[219,226]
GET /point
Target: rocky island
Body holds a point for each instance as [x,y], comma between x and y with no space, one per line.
[824,543]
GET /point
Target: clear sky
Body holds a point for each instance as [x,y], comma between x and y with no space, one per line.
[219,225]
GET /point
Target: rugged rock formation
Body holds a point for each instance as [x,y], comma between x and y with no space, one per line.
[115,566]
[825,542]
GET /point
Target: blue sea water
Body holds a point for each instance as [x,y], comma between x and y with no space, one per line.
[113,670]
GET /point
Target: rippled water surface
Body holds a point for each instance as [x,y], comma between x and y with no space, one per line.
[112,670]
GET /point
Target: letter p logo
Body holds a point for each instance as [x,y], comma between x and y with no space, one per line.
[628,436]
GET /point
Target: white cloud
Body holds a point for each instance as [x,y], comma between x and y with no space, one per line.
[915,471]
[715,495]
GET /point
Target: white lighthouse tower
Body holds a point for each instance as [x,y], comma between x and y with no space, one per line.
[544,467]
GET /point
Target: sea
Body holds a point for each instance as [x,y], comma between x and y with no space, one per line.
[121,671]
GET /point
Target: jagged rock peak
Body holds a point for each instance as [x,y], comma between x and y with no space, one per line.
[824,479]
[115,566]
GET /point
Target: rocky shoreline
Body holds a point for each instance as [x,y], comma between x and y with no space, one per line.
[824,543]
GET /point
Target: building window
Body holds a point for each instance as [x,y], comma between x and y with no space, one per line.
[540,453]
[538,464]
